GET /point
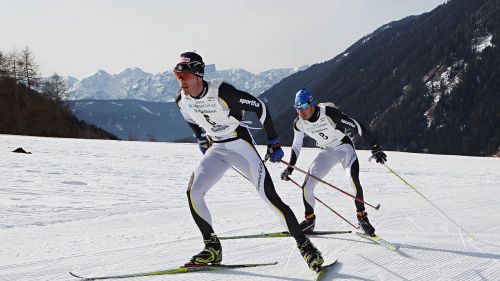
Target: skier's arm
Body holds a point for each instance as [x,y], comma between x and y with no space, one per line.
[346,123]
[238,101]
[197,131]
[298,139]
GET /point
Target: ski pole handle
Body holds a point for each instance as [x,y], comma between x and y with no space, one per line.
[330,185]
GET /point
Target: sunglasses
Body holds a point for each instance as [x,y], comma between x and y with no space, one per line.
[193,67]
[302,106]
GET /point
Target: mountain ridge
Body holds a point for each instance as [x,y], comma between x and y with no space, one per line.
[134,83]
[426,83]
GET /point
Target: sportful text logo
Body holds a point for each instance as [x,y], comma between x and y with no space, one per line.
[250,102]
[348,123]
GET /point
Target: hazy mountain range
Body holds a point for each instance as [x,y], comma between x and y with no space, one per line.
[135,105]
[134,83]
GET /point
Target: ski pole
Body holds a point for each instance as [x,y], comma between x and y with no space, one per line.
[331,209]
[238,171]
[330,185]
[328,207]
[429,201]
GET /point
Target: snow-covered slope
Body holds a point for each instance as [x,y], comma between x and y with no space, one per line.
[99,207]
[133,83]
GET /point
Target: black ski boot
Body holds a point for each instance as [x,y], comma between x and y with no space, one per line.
[311,255]
[308,224]
[211,254]
[364,223]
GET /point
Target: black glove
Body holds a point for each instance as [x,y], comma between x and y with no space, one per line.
[378,154]
[274,151]
[286,173]
[203,143]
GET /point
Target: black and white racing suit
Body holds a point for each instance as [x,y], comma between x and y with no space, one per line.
[218,112]
[328,127]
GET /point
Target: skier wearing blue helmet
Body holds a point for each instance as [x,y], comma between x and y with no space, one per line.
[329,127]
[303,98]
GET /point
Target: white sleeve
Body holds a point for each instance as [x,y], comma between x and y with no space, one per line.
[298,140]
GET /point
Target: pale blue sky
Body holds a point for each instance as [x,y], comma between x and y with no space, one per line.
[78,37]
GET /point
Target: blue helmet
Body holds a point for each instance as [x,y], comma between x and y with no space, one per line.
[302,99]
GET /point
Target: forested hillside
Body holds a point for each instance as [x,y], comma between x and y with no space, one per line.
[26,112]
[427,83]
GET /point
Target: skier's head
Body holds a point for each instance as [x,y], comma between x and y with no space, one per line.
[189,73]
[190,62]
[303,99]
[304,104]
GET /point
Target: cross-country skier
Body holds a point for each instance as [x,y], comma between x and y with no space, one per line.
[214,111]
[328,126]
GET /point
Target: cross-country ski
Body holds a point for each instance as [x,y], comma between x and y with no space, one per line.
[378,240]
[283,234]
[175,270]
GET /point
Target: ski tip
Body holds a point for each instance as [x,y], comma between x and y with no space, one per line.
[322,271]
[269,263]
[74,275]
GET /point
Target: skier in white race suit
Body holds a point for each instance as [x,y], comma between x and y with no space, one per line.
[214,111]
[328,126]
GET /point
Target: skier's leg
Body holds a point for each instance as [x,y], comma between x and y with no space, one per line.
[309,252]
[248,162]
[351,166]
[321,165]
[352,174]
[251,165]
[209,171]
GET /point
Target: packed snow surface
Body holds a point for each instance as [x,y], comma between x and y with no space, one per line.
[99,207]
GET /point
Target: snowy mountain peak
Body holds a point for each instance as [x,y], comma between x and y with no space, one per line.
[100,72]
[134,83]
[131,71]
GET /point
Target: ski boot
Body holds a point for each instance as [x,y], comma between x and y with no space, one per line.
[311,255]
[308,224]
[364,223]
[211,254]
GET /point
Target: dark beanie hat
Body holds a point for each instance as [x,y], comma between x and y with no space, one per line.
[190,62]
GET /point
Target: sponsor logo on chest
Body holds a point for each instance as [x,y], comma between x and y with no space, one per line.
[202,106]
[348,123]
[250,102]
[318,126]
